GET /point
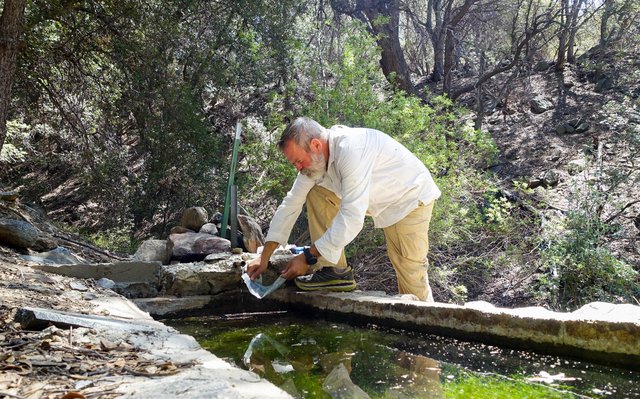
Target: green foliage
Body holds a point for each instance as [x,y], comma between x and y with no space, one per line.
[579,268]
[12,151]
[579,256]
[118,239]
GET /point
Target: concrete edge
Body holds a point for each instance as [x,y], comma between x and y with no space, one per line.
[564,334]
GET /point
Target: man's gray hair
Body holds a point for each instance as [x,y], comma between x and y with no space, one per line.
[302,130]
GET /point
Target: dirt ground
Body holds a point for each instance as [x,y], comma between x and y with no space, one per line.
[60,363]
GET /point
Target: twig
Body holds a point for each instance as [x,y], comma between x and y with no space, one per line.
[145,374]
[621,211]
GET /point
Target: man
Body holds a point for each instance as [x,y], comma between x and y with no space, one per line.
[344,175]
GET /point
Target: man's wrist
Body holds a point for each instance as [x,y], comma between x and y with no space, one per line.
[309,257]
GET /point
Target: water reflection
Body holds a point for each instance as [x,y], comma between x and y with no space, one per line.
[405,376]
[312,358]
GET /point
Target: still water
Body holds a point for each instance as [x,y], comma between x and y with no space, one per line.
[315,358]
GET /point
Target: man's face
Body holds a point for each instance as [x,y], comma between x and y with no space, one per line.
[309,163]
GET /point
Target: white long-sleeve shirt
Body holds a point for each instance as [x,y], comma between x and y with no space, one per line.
[372,174]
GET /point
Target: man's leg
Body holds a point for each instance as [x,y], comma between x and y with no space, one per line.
[407,248]
[322,207]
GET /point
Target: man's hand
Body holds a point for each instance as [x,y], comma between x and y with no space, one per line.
[256,267]
[296,267]
[259,264]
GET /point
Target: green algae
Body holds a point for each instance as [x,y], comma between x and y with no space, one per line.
[313,358]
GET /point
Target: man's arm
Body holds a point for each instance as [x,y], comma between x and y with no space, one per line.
[259,264]
[296,267]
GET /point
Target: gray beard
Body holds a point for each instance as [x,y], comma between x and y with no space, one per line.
[317,169]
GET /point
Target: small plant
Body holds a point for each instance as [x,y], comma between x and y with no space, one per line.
[118,240]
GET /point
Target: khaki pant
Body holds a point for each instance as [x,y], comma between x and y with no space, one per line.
[407,241]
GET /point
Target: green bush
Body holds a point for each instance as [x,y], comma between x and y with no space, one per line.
[579,268]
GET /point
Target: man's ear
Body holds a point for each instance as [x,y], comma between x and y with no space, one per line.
[315,145]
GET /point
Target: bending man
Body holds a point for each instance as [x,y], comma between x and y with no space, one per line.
[344,175]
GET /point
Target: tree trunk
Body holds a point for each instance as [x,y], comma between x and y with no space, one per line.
[387,33]
[573,29]
[479,96]
[436,29]
[444,40]
[10,29]
[449,61]
[562,38]
[393,63]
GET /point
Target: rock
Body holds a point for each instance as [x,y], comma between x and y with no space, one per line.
[209,228]
[106,283]
[21,234]
[136,271]
[550,178]
[9,196]
[623,313]
[603,84]
[574,125]
[186,279]
[193,218]
[582,127]
[153,250]
[251,233]
[78,286]
[57,256]
[547,179]
[540,105]
[576,166]
[541,66]
[339,385]
[182,245]
[180,230]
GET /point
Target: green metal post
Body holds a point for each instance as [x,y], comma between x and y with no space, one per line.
[231,181]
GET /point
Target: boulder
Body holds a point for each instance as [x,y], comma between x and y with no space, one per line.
[209,228]
[186,245]
[199,278]
[548,179]
[251,233]
[193,218]
[575,125]
[540,105]
[152,250]
[21,234]
[180,230]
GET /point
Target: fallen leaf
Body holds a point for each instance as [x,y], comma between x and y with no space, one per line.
[73,395]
